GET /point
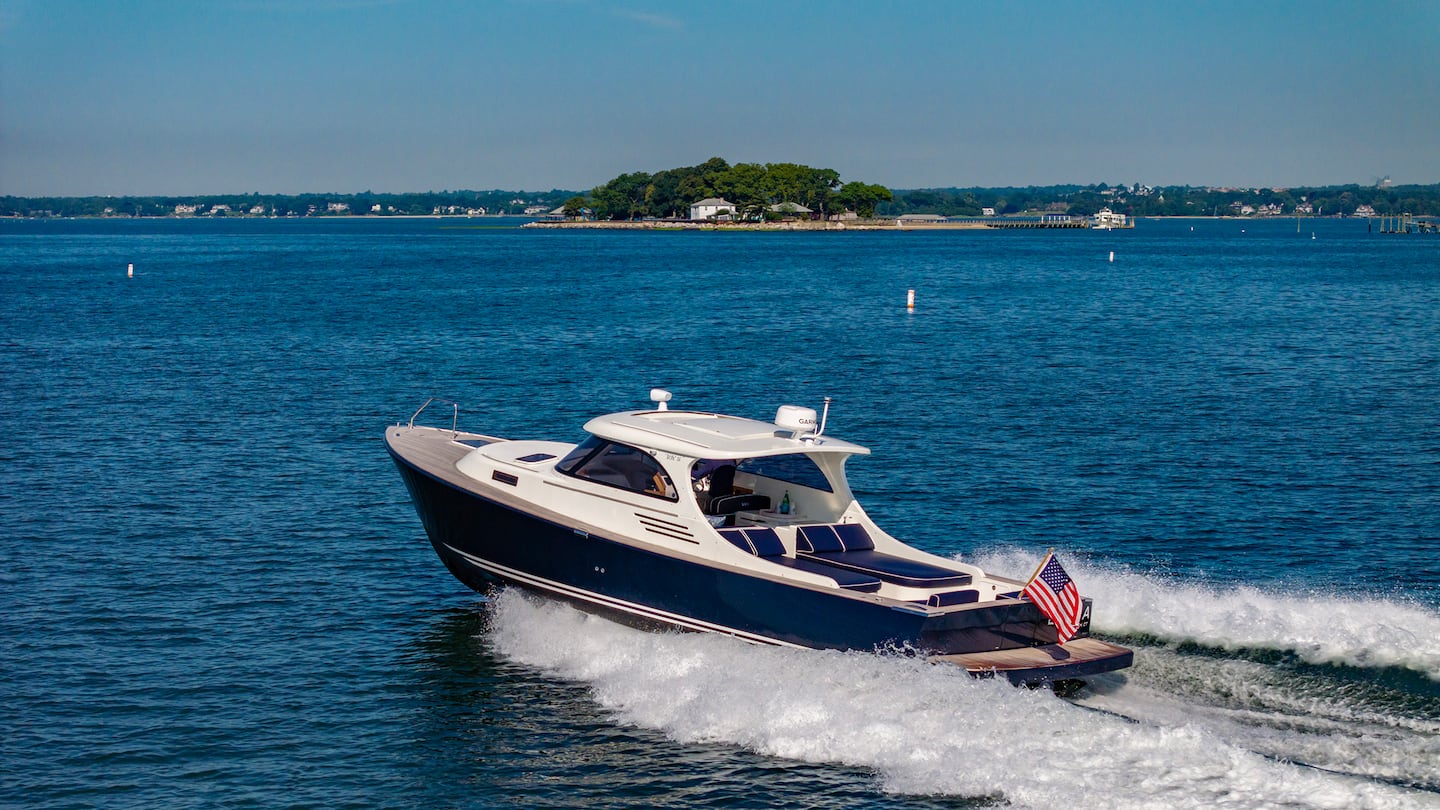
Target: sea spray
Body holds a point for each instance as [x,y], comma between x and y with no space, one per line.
[1366,726]
[1317,628]
[924,729]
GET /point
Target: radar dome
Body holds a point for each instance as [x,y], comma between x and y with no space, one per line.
[796,419]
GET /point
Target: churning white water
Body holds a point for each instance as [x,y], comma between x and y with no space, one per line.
[1319,628]
[930,729]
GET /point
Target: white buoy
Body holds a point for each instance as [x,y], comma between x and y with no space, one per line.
[1112,257]
[130,271]
[910,299]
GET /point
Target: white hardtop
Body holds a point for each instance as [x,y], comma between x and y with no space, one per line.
[696,434]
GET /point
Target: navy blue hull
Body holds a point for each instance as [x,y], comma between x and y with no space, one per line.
[481,542]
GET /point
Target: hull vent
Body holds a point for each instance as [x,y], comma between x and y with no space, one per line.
[665,528]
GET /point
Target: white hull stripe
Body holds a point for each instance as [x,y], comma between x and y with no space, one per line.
[616,604]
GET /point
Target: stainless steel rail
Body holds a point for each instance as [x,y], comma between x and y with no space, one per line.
[454,417]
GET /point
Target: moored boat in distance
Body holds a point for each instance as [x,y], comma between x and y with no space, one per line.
[702,521]
[1107,220]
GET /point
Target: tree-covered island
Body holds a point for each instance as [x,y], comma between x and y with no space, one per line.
[757,191]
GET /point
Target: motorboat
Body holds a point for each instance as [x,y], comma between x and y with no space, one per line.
[666,518]
[1106,220]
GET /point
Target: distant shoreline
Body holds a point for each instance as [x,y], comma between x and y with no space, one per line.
[878,223]
[681,225]
[260,218]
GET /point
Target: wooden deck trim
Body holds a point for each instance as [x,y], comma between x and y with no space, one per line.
[1076,651]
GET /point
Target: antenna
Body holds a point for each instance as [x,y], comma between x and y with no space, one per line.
[823,416]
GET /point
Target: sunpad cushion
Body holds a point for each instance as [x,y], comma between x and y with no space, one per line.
[837,537]
[759,541]
[845,578]
[848,545]
[765,543]
[894,569]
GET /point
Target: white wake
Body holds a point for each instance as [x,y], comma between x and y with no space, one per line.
[1318,628]
[923,729]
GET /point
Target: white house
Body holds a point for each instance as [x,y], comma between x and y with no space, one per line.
[712,207]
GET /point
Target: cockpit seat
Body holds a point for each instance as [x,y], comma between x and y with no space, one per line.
[848,546]
[764,543]
[730,504]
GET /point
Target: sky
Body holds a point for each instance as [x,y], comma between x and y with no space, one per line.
[165,97]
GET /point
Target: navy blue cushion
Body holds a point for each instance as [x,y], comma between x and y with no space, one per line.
[954,598]
[817,538]
[894,569]
[839,537]
[766,543]
[853,537]
[761,542]
[849,580]
[737,539]
[731,504]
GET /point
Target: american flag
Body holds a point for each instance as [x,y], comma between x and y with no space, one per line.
[1052,590]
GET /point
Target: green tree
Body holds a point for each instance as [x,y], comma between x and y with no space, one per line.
[622,198]
[744,184]
[862,197]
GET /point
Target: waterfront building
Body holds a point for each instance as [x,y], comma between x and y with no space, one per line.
[712,207]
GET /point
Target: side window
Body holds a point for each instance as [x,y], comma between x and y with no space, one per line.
[620,466]
[576,457]
[793,469]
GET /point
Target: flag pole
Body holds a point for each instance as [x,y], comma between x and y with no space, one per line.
[1043,560]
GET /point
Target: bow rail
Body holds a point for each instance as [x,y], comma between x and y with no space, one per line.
[454,416]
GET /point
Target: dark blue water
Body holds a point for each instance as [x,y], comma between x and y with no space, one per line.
[214,591]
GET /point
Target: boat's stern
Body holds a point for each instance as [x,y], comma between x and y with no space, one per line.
[1013,638]
[1049,664]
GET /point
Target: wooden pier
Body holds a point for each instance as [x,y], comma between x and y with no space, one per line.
[1402,223]
[1027,222]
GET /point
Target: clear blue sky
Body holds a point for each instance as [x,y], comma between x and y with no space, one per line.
[287,96]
